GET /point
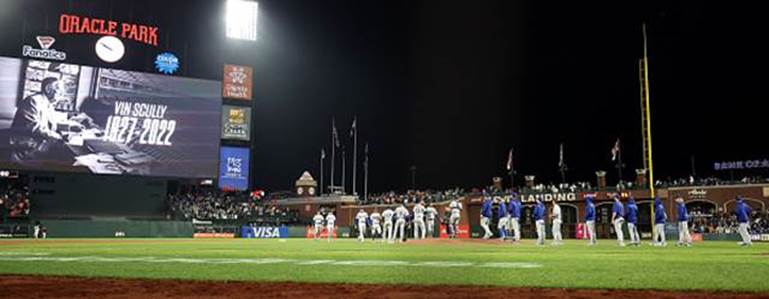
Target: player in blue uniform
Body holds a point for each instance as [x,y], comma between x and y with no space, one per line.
[486,215]
[684,238]
[539,221]
[515,216]
[659,223]
[504,220]
[631,215]
[617,218]
[590,219]
[743,218]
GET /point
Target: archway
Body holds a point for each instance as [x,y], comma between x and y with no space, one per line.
[701,213]
[569,217]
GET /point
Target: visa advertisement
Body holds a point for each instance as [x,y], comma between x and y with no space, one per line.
[233,168]
[263,232]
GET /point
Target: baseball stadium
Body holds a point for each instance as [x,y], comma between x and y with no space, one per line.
[399,149]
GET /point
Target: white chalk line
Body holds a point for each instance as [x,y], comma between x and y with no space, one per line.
[44,257]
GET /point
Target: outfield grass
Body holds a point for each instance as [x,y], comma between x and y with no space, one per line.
[707,266]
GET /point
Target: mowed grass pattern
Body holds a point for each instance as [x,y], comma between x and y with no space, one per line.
[707,266]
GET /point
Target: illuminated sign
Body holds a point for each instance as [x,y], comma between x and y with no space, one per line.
[72,24]
[237,82]
[236,121]
[45,51]
[166,63]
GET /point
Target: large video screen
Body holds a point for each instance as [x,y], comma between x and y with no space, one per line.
[65,117]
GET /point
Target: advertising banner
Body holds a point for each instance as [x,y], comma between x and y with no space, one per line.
[463,231]
[236,122]
[263,232]
[237,82]
[65,117]
[233,168]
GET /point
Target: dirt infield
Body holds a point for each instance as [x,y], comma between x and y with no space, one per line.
[73,287]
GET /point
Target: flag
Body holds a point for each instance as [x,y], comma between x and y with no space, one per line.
[510,160]
[322,153]
[615,150]
[353,127]
[560,157]
[334,134]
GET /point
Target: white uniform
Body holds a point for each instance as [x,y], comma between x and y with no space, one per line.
[376,227]
[318,220]
[387,234]
[557,237]
[362,217]
[430,214]
[400,222]
[454,217]
[419,221]
[330,219]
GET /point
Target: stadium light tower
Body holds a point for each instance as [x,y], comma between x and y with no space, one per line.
[241,17]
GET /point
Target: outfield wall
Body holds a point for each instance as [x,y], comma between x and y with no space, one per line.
[123,228]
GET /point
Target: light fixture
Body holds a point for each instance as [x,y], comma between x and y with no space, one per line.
[241,19]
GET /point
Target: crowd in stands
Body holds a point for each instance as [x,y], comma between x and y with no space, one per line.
[213,204]
[412,196]
[14,198]
[726,223]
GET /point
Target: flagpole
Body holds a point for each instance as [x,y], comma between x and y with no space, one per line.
[322,157]
[365,176]
[344,186]
[333,151]
[354,154]
[619,162]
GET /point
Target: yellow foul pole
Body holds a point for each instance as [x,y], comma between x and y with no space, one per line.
[648,133]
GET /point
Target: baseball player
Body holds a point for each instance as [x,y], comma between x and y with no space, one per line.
[539,221]
[515,216]
[400,222]
[486,215]
[617,211]
[684,238]
[318,220]
[330,219]
[430,214]
[376,228]
[419,220]
[387,234]
[743,217]
[556,216]
[659,223]
[590,219]
[631,215]
[504,220]
[362,218]
[456,209]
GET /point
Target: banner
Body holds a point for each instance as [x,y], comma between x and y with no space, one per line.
[237,82]
[233,168]
[463,231]
[323,233]
[263,232]
[213,235]
[66,117]
[236,122]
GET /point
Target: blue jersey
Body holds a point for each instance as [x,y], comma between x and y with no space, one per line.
[502,210]
[683,214]
[743,212]
[659,212]
[515,208]
[589,209]
[539,211]
[618,209]
[631,215]
[486,208]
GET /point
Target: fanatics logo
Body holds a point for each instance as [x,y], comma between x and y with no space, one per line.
[45,42]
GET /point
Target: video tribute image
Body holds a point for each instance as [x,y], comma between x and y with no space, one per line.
[65,117]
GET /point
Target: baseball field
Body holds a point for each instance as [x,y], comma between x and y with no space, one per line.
[297,267]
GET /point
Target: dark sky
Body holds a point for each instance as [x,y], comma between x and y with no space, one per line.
[450,86]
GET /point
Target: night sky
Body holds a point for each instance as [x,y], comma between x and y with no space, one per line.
[450,86]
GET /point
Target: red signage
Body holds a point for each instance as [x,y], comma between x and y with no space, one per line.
[463,232]
[236,82]
[72,24]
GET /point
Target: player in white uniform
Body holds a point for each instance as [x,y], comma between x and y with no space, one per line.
[362,217]
[376,228]
[419,221]
[456,208]
[318,220]
[387,234]
[400,222]
[430,214]
[330,220]
[556,215]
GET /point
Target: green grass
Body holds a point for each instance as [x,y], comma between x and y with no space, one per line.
[707,266]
